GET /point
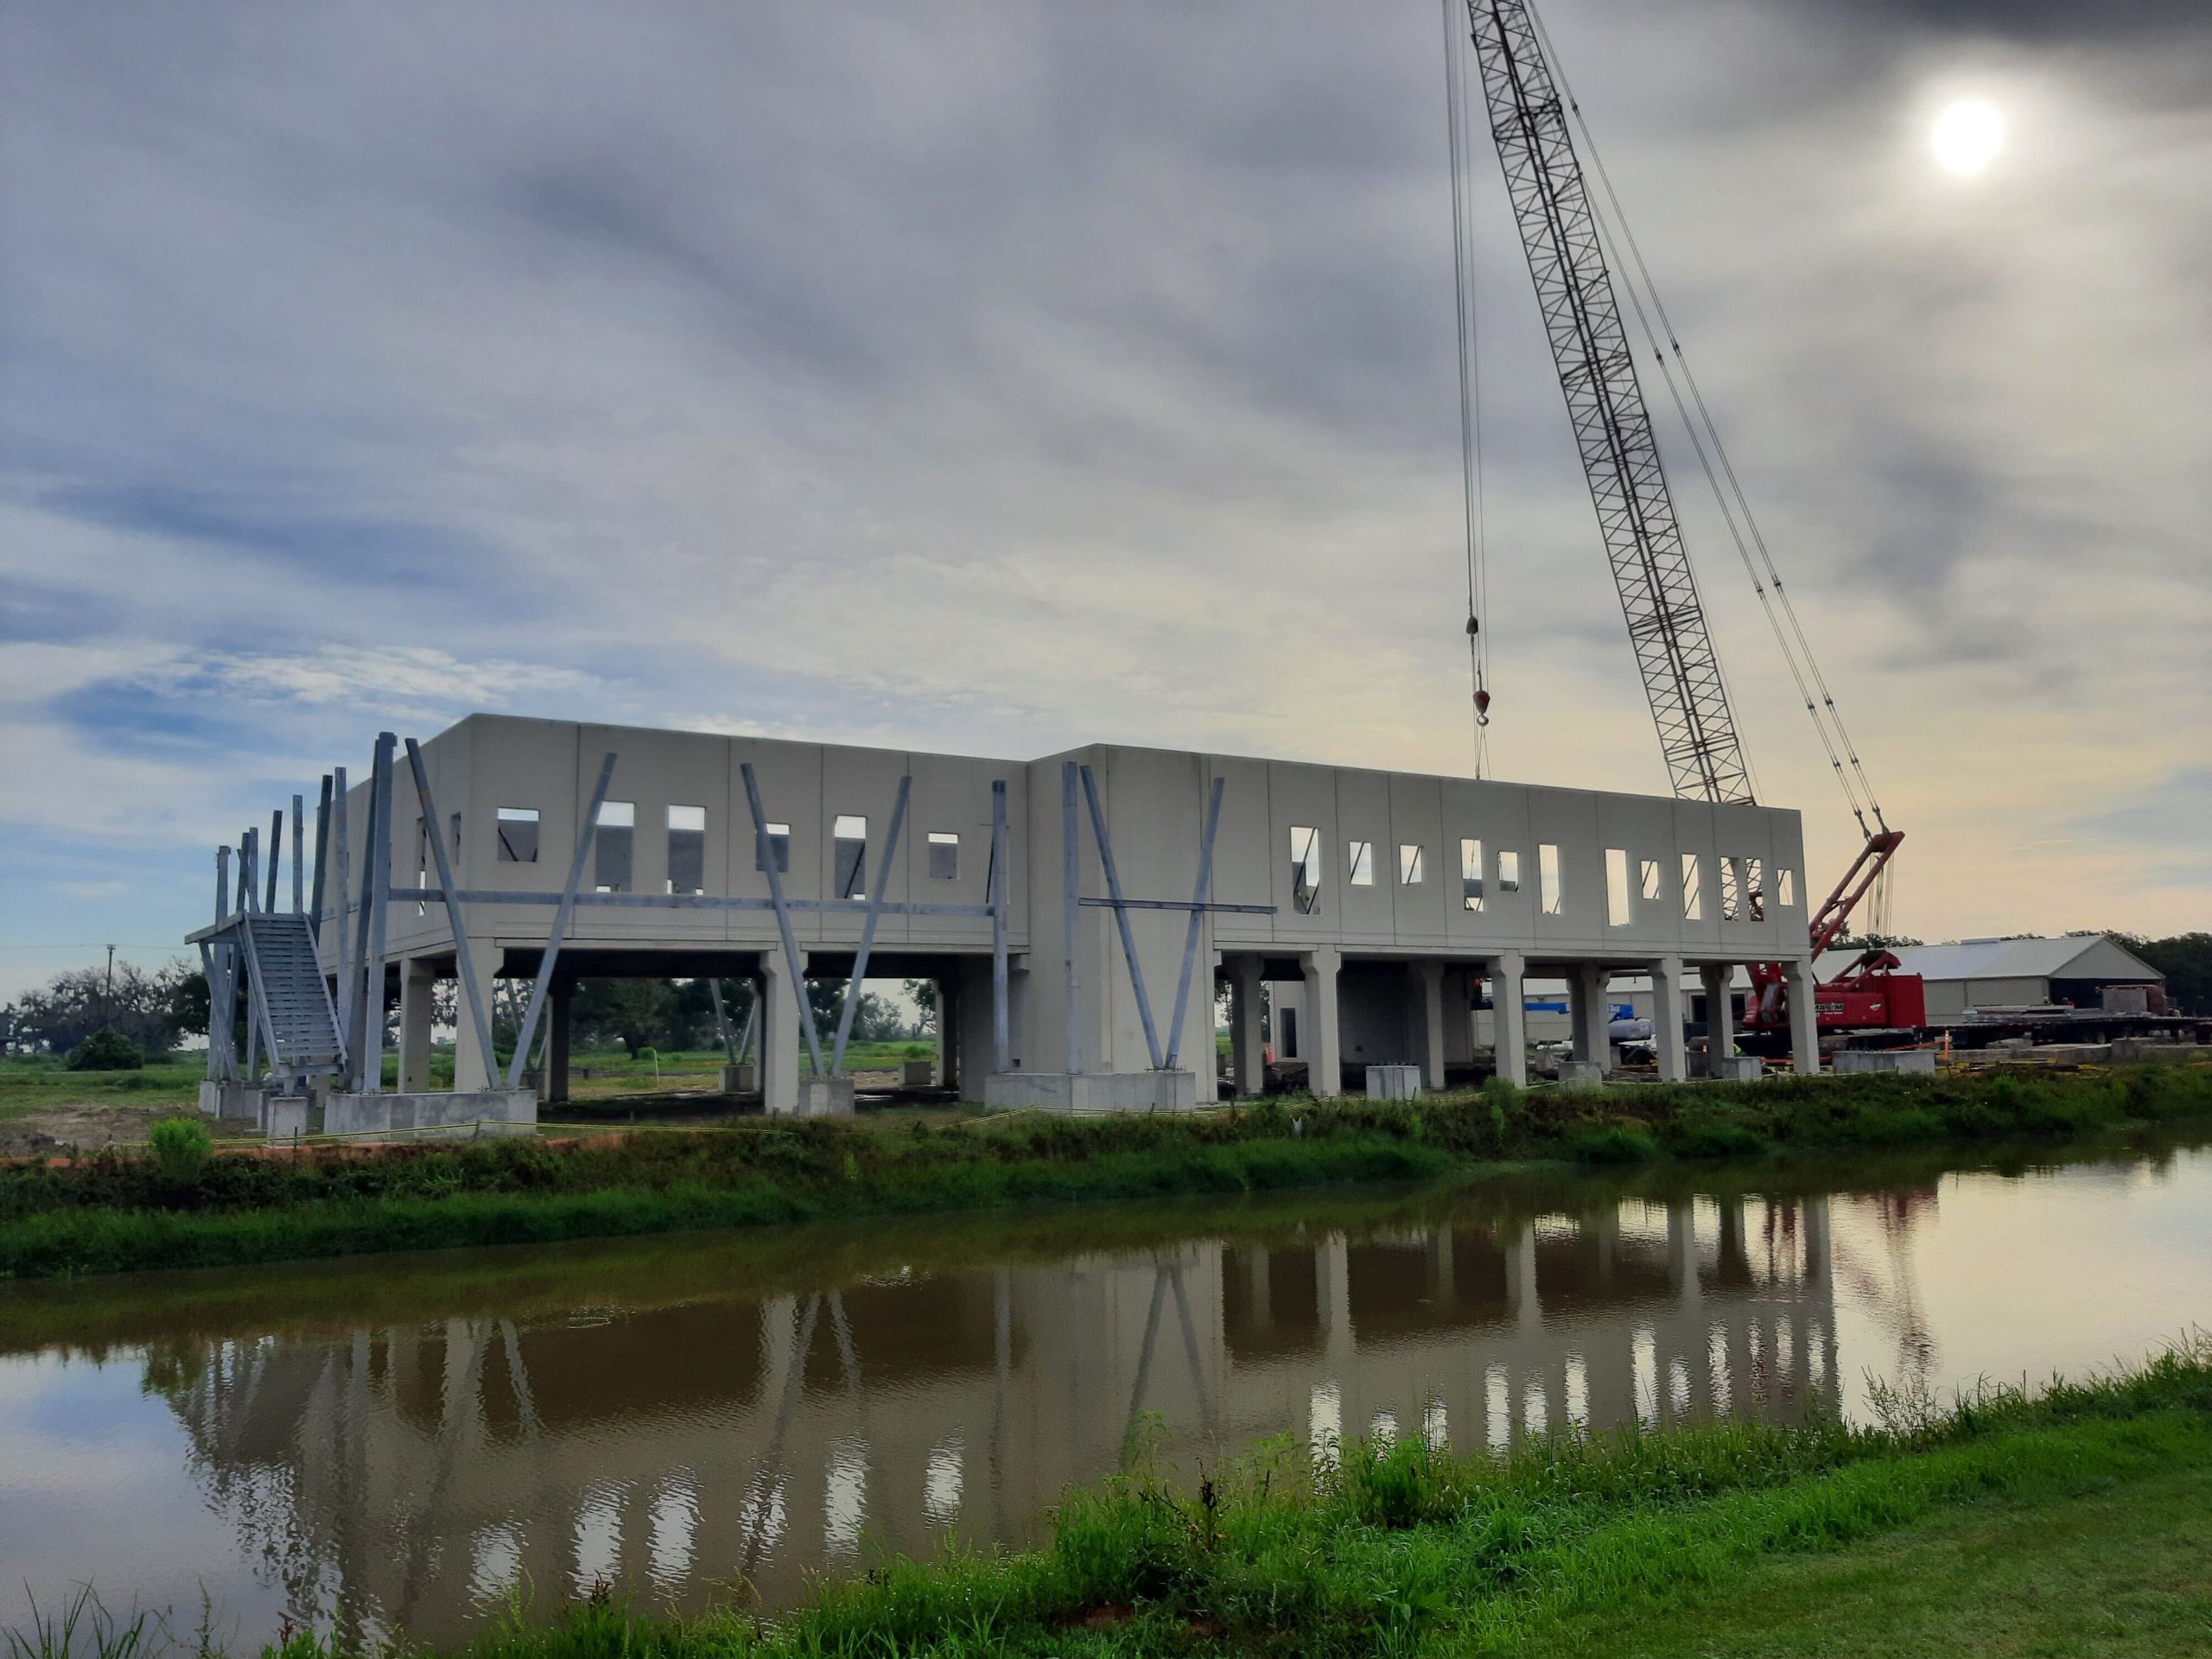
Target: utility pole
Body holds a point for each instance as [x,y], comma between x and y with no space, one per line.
[107,997]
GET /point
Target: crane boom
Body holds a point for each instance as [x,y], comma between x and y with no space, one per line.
[1561,236]
[1613,425]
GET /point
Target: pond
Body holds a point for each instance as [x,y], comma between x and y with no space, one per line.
[394,1443]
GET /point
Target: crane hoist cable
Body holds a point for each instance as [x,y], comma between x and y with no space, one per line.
[1470,410]
[1789,631]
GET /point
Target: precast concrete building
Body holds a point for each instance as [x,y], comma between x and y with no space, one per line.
[1078,911]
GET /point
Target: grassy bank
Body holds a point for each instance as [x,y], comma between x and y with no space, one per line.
[2073,1521]
[122,1211]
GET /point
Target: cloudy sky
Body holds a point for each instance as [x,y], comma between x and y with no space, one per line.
[991,377]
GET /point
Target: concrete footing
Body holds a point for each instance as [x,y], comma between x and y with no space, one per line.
[743,1078]
[1735,1068]
[825,1097]
[1392,1082]
[1859,1061]
[234,1103]
[1582,1074]
[2125,1049]
[1088,1094]
[918,1074]
[448,1116]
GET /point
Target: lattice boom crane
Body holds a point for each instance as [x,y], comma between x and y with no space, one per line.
[1562,235]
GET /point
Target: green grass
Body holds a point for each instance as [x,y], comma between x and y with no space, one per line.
[2069,1523]
[31,1083]
[120,1210]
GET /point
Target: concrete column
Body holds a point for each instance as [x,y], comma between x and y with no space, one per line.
[416,983]
[948,1032]
[1458,1016]
[782,1039]
[1667,1019]
[1322,1039]
[943,1046]
[1720,1012]
[1247,1047]
[1431,974]
[1509,1015]
[472,1068]
[561,1001]
[1585,988]
[1804,1021]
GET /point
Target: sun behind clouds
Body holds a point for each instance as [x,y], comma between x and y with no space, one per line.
[1967,136]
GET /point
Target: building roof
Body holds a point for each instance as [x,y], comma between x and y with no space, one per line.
[2071,955]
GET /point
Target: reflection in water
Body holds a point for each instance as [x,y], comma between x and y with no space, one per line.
[410,1473]
[709,1420]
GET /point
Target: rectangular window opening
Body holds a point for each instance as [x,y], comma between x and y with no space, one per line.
[687,849]
[1508,872]
[1755,889]
[1470,874]
[1410,860]
[1785,887]
[518,835]
[1617,898]
[1693,887]
[1648,870]
[944,856]
[1359,863]
[613,846]
[1305,869]
[1731,888]
[778,837]
[1547,878]
[850,837]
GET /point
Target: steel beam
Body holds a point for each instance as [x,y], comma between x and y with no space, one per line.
[464,959]
[1121,917]
[1001,1037]
[1069,854]
[585,832]
[765,856]
[868,929]
[1197,920]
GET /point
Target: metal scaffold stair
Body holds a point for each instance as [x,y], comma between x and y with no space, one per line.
[291,1001]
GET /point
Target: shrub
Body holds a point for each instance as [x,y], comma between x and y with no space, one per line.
[1617,1143]
[180,1148]
[106,1049]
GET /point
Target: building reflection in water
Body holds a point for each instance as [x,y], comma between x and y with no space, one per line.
[404,1478]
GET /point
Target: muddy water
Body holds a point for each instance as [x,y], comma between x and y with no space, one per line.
[394,1443]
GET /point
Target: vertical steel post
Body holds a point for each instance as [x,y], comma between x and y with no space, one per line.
[1001,1037]
[316,890]
[765,855]
[585,832]
[1197,919]
[342,917]
[379,887]
[464,958]
[1071,911]
[868,929]
[721,1021]
[215,961]
[276,858]
[299,851]
[1122,918]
